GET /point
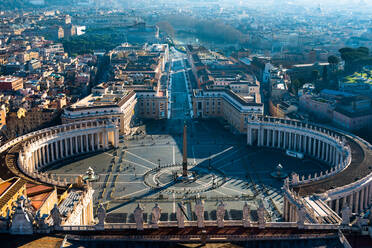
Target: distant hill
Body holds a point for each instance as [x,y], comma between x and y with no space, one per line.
[20,4]
[14,4]
[58,2]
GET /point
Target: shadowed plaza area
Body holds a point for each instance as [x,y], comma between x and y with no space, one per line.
[241,173]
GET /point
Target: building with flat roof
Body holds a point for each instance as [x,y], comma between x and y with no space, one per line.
[212,103]
[106,102]
[10,83]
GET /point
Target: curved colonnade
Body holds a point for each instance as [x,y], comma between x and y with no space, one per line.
[329,146]
[45,147]
[42,148]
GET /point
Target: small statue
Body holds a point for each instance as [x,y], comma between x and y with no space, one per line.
[246,215]
[56,216]
[180,216]
[101,214]
[138,217]
[346,214]
[199,211]
[261,215]
[156,213]
[301,217]
[40,221]
[286,183]
[220,215]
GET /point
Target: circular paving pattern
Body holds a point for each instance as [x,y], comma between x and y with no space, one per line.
[169,179]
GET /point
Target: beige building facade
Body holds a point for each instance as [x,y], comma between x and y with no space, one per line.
[226,104]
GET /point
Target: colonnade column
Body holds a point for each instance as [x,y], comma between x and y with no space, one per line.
[76,145]
[52,150]
[86,143]
[47,154]
[285,139]
[61,149]
[92,142]
[97,141]
[366,195]
[81,143]
[361,201]
[357,202]
[71,146]
[318,154]
[337,206]
[279,138]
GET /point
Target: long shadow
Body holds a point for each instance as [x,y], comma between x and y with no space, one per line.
[211,132]
[134,199]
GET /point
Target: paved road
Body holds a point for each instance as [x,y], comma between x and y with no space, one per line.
[180,107]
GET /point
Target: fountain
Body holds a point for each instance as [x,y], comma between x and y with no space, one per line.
[90,175]
[279,173]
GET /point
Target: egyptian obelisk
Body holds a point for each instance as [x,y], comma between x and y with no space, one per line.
[184,151]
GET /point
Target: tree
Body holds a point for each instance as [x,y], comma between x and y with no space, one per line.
[355,59]
[314,75]
[363,50]
[333,62]
[295,86]
[325,75]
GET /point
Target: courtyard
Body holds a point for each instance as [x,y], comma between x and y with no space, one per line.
[241,173]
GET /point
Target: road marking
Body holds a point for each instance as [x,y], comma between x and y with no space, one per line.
[220,153]
[219,192]
[174,156]
[116,182]
[227,164]
[193,154]
[142,158]
[238,191]
[121,197]
[137,164]
[174,202]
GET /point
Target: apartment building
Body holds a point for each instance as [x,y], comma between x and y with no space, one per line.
[224,103]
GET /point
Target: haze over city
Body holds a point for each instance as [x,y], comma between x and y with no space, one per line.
[215,123]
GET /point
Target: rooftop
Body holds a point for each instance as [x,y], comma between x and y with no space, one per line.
[38,194]
[109,99]
[11,186]
[7,79]
[68,204]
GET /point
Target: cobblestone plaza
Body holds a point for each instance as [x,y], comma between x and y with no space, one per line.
[241,173]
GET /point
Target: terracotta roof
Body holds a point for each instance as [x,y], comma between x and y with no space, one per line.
[16,184]
[4,186]
[38,194]
[38,200]
[35,189]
